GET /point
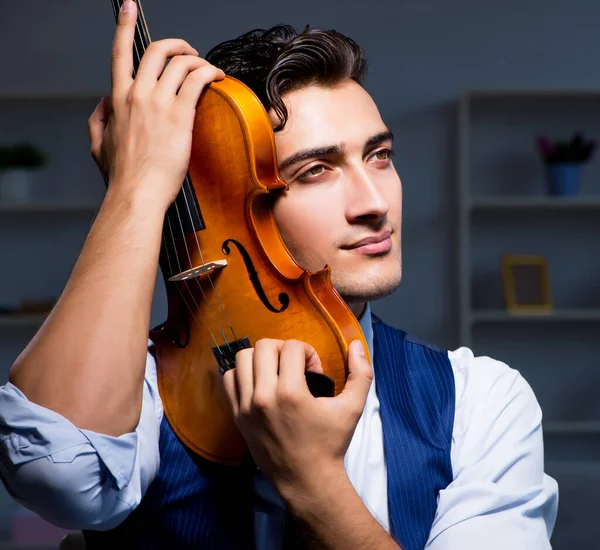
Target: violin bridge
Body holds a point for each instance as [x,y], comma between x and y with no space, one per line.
[199,270]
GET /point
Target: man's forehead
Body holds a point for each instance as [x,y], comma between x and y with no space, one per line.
[320,116]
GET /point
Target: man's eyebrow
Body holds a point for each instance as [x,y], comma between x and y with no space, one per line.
[383,136]
[310,153]
[330,150]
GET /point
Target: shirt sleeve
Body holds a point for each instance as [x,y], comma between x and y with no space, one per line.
[500,496]
[74,478]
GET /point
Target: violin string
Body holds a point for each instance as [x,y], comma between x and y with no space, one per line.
[209,277]
[166,249]
[210,309]
[183,297]
[185,281]
[117,4]
[141,36]
[217,347]
[116,9]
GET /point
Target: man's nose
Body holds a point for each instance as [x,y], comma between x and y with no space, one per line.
[364,197]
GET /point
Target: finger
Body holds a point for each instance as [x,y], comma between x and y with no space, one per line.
[313,361]
[122,53]
[231,389]
[294,359]
[266,366]
[176,72]
[245,378]
[154,60]
[97,123]
[196,81]
[360,376]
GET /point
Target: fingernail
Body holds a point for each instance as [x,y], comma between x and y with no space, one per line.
[127,6]
[359,347]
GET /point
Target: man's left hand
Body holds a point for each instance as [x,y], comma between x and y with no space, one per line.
[297,440]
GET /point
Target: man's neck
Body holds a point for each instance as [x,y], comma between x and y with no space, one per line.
[358,308]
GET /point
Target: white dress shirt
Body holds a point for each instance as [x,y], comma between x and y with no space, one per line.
[500,497]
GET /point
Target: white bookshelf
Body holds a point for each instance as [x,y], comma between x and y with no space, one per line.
[502,208]
[40,240]
[505,206]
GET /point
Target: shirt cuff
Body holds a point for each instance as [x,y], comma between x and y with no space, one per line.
[29,431]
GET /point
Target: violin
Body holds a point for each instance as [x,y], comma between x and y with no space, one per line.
[229,278]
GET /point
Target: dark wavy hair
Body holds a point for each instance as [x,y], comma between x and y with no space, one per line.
[278,60]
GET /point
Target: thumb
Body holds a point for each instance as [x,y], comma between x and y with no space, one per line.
[97,123]
[96,126]
[360,376]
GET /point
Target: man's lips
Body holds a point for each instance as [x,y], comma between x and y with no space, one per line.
[372,245]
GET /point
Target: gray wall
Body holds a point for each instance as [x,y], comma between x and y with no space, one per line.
[422,54]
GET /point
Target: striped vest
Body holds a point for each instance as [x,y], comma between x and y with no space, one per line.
[196,504]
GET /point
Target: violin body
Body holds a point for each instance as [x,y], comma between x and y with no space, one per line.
[216,309]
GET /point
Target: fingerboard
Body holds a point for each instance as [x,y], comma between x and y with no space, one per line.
[184,215]
[142,34]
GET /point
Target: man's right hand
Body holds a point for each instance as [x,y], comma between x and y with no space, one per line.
[141,137]
[142,140]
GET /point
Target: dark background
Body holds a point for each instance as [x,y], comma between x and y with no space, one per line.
[424,57]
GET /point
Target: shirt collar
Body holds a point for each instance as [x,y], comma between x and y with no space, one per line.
[366,325]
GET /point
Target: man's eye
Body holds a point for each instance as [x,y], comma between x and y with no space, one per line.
[313,171]
[384,154]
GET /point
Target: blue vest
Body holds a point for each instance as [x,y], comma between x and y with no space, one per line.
[196,504]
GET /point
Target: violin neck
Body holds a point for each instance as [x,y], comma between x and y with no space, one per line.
[184,215]
[142,35]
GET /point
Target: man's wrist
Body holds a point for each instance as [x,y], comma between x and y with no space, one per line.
[331,514]
[316,489]
[135,199]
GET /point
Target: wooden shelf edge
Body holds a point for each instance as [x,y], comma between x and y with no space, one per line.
[541,203]
[557,315]
[33,319]
[52,95]
[572,428]
[585,468]
[49,207]
[533,93]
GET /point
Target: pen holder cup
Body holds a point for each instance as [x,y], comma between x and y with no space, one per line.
[563,179]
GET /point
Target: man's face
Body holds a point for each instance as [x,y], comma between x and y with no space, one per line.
[334,152]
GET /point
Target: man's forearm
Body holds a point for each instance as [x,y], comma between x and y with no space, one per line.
[87,361]
[331,516]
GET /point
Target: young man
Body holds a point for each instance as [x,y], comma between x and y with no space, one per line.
[443,450]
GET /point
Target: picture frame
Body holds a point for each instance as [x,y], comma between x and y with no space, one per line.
[526,284]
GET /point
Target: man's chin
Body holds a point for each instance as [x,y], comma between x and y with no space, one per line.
[354,292]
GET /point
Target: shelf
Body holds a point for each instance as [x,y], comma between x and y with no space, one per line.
[534,94]
[584,468]
[37,95]
[49,207]
[558,315]
[14,320]
[541,203]
[572,428]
